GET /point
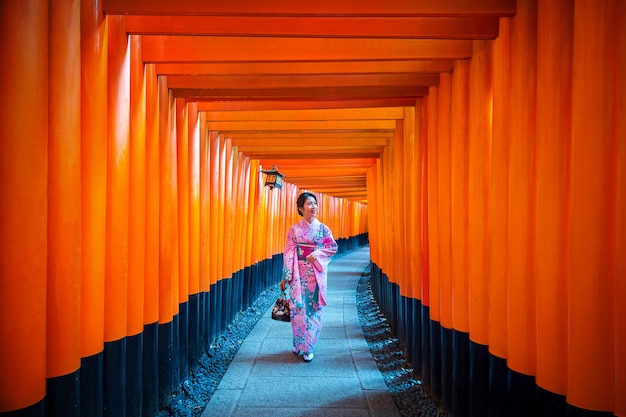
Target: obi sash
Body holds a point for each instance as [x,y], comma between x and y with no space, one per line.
[304,250]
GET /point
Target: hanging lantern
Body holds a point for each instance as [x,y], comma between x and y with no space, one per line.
[273,178]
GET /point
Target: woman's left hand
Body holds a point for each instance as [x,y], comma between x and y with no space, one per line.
[310,258]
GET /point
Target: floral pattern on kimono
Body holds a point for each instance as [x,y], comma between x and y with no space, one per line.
[307,280]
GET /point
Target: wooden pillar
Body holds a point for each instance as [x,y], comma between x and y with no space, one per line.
[168,243]
[591,342]
[23,203]
[117,218]
[480,163]
[620,227]
[152,233]
[460,229]
[182,164]
[498,201]
[555,25]
[522,198]
[195,290]
[64,205]
[136,230]
[444,165]
[94,47]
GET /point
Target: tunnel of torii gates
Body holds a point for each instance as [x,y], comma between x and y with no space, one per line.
[478,147]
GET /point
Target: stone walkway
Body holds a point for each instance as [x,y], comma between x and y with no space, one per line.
[266,380]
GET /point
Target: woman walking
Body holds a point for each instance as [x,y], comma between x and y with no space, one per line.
[309,249]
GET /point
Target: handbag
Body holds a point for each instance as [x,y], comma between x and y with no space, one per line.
[280,311]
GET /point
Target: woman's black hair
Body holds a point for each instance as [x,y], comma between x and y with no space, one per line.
[302,198]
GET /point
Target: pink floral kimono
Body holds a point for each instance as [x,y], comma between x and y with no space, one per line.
[307,281]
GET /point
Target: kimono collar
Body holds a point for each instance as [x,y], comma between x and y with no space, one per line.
[306,225]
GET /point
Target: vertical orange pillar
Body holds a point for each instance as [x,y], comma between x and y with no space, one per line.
[444,165]
[94,46]
[499,196]
[480,134]
[459,195]
[445,216]
[193,130]
[620,227]
[168,245]
[64,192]
[182,155]
[498,202]
[555,28]
[205,233]
[433,205]
[182,300]
[136,230]
[460,229]
[411,170]
[195,292]
[433,381]
[591,343]
[480,110]
[63,286]
[521,216]
[23,206]
[214,242]
[151,276]
[137,203]
[151,284]
[117,220]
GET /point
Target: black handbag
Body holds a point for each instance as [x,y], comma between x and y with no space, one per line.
[280,311]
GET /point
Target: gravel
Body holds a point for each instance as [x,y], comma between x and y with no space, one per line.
[388,352]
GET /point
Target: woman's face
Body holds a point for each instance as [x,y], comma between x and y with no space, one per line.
[309,208]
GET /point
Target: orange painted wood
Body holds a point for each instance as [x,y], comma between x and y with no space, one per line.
[153,185]
[221,207]
[193,129]
[241,49]
[411,170]
[374,113]
[444,166]
[522,196]
[23,209]
[480,177]
[320,8]
[448,27]
[288,81]
[591,343]
[339,140]
[137,191]
[499,195]
[620,227]
[555,25]
[422,131]
[294,104]
[94,45]
[305,67]
[117,182]
[64,202]
[319,93]
[182,165]
[459,183]
[168,245]
[251,204]
[205,206]
[214,166]
[399,237]
[290,125]
[432,200]
[227,224]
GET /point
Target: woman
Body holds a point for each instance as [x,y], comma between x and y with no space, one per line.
[309,249]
